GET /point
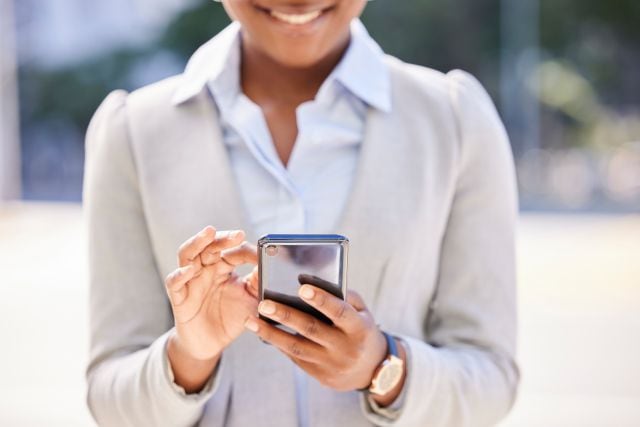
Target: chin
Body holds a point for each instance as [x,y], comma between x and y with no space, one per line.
[298,61]
[299,55]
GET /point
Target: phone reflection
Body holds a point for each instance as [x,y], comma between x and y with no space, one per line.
[286,267]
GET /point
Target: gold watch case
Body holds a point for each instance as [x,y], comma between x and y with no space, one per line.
[387,376]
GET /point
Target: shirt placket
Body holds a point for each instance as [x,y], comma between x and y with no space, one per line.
[248,121]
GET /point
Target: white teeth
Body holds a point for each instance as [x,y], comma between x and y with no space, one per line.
[296,19]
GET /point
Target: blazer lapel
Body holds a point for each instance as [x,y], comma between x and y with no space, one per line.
[379,215]
[388,193]
[188,178]
[221,187]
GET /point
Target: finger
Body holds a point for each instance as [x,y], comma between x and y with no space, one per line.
[245,253]
[294,346]
[208,257]
[190,249]
[239,287]
[175,283]
[251,282]
[304,324]
[340,312]
[356,301]
[224,240]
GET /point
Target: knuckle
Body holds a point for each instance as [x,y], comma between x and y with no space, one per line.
[285,314]
[206,258]
[311,329]
[321,300]
[265,334]
[211,255]
[214,246]
[295,349]
[340,311]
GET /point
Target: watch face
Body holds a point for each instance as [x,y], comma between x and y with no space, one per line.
[388,376]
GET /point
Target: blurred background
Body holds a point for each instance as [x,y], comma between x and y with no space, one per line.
[565,76]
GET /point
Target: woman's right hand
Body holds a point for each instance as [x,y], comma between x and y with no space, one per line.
[210,302]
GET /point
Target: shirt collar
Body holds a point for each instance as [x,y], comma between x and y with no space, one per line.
[361,70]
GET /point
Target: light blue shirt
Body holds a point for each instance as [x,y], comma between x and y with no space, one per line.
[310,193]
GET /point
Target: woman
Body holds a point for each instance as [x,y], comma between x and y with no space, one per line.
[293,120]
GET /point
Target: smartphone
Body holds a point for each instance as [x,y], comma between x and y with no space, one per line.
[287,261]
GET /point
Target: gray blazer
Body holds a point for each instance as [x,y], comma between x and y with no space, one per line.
[431,221]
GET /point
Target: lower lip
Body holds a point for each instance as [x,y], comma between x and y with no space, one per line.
[298,30]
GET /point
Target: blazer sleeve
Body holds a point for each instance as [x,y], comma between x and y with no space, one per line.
[129,378]
[464,373]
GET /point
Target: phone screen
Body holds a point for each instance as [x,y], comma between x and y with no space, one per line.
[285,266]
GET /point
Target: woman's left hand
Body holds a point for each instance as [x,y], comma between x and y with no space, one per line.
[342,356]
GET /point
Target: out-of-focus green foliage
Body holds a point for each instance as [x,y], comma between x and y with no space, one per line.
[601,40]
[73,93]
[443,34]
[192,28]
[591,44]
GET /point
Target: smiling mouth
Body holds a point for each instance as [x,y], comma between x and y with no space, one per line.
[295,18]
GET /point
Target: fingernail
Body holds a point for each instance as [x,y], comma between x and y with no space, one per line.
[251,325]
[307,292]
[235,234]
[267,307]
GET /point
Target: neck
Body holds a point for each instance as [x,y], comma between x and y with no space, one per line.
[263,78]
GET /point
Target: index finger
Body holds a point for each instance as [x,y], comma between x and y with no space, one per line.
[223,240]
[244,253]
[190,249]
[340,312]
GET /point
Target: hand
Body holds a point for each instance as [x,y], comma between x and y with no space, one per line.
[210,303]
[343,356]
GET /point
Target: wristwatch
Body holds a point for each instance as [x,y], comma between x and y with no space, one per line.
[389,373]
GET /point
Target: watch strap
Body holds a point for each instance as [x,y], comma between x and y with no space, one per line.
[392,348]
